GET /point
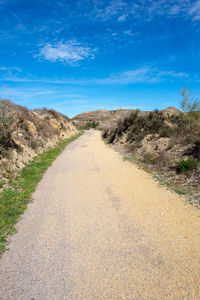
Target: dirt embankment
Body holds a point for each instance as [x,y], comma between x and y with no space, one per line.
[167,142]
[25,133]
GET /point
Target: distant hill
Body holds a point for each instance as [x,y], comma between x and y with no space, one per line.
[106,117]
[171,110]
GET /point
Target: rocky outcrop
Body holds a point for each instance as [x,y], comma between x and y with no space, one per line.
[25,134]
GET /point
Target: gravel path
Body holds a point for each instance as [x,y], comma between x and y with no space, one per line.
[100,228]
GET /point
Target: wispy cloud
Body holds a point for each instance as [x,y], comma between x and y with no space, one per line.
[128,32]
[122,18]
[172,74]
[146,10]
[69,52]
[131,76]
[195,11]
[114,8]
[141,75]
[10,69]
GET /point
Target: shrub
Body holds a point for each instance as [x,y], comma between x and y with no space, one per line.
[189,104]
[54,113]
[197,149]
[185,165]
[33,145]
[6,120]
[166,132]
[147,157]
[91,124]
[1,184]
[25,126]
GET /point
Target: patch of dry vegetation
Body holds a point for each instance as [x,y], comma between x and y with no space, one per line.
[25,133]
[164,142]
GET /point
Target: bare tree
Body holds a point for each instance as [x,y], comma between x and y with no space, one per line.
[188,103]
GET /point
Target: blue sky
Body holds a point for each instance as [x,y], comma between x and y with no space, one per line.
[76,56]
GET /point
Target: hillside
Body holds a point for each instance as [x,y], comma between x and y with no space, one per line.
[25,133]
[101,116]
[166,142]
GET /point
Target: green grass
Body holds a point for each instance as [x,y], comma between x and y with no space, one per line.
[14,200]
[185,165]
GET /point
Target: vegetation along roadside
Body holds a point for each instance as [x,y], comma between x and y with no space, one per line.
[165,143]
[14,199]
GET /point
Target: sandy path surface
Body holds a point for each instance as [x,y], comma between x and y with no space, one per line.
[100,228]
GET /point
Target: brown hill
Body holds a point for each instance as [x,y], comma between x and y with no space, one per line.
[171,110]
[108,117]
[102,116]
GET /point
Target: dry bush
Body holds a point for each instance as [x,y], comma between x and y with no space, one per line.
[54,113]
[181,129]
[7,117]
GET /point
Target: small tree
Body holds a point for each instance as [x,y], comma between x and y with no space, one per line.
[188,103]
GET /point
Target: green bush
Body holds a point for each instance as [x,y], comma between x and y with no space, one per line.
[166,132]
[1,184]
[185,165]
[92,124]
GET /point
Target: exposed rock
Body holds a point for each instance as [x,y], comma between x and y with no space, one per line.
[31,127]
[153,143]
[55,124]
[31,132]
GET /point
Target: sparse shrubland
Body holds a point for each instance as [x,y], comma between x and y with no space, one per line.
[166,143]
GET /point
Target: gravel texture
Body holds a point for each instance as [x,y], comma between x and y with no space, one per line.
[100,228]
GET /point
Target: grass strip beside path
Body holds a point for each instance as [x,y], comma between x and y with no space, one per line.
[14,200]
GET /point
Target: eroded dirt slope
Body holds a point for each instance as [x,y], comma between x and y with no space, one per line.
[25,133]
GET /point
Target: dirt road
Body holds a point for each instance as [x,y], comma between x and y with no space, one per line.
[100,228]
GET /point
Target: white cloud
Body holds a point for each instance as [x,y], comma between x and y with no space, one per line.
[132,76]
[146,9]
[141,75]
[195,11]
[68,52]
[114,8]
[128,32]
[173,74]
[122,18]
[10,69]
